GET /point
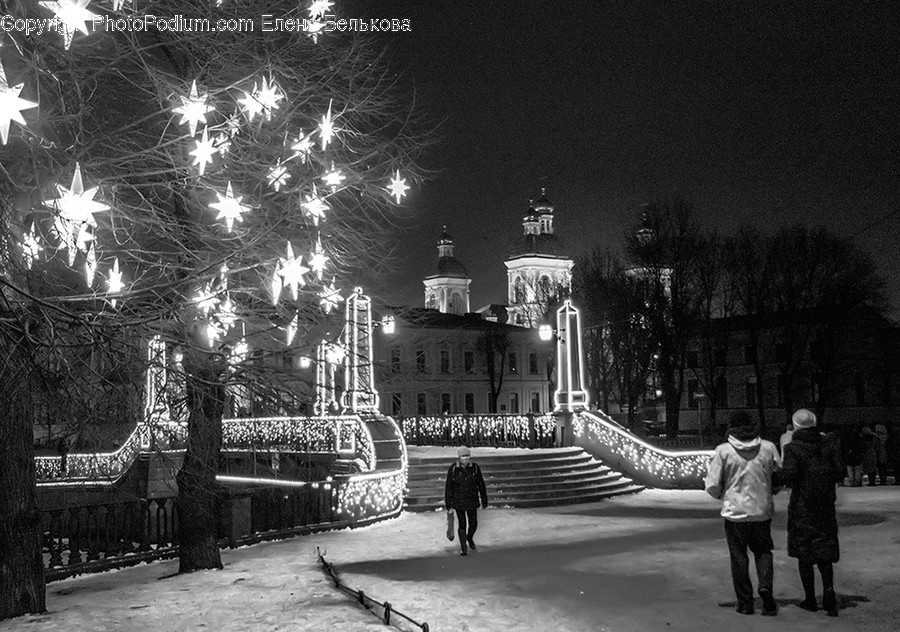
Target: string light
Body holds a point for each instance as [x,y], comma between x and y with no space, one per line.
[72,15]
[193,109]
[75,209]
[203,151]
[398,187]
[229,207]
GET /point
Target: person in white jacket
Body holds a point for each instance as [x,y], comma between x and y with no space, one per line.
[740,475]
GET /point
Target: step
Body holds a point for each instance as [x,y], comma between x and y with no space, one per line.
[413,505]
[535,491]
[441,470]
[561,477]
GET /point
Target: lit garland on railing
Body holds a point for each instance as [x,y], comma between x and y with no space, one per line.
[508,427]
[105,467]
[647,463]
[371,495]
[312,434]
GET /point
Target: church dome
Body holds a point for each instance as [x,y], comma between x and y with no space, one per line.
[540,244]
[543,203]
[451,267]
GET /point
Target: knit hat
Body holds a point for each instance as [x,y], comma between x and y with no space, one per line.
[741,426]
[803,418]
[463,451]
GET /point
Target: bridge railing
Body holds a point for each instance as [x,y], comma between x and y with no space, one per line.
[655,467]
[521,431]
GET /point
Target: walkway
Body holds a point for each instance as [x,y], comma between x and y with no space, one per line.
[652,561]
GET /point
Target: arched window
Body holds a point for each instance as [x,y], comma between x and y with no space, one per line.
[519,291]
[454,304]
[543,290]
[431,301]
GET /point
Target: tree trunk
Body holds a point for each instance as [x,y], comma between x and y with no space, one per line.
[22,588]
[197,488]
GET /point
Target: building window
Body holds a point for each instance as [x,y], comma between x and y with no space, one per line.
[721,355]
[518,291]
[535,402]
[445,360]
[693,359]
[469,361]
[749,354]
[455,304]
[513,361]
[395,360]
[514,403]
[782,388]
[396,404]
[445,403]
[421,404]
[533,364]
[722,392]
[750,391]
[782,351]
[420,360]
[470,403]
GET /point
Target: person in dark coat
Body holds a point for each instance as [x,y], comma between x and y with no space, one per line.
[462,491]
[813,466]
[869,454]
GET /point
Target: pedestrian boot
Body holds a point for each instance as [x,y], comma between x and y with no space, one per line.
[770,608]
[472,544]
[462,548]
[829,602]
[809,604]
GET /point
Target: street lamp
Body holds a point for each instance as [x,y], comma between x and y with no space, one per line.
[545,331]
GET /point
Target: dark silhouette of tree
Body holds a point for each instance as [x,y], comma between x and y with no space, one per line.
[238,176]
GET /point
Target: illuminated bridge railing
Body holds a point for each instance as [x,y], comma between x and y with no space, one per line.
[522,431]
[346,435]
[644,463]
[106,467]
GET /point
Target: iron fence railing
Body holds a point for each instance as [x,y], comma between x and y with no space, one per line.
[520,431]
[92,538]
[388,615]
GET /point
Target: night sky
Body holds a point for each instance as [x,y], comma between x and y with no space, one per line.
[760,112]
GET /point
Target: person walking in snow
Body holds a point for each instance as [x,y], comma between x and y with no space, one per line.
[740,474]
[812,463]
[462,491]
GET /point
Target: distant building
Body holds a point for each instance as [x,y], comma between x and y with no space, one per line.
[437,363]
[448,290]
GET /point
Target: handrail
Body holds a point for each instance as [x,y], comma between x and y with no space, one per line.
[363,599]
[645,463]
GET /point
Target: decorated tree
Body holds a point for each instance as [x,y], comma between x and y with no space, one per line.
[214,188]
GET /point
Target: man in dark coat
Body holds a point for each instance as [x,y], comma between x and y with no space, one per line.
[812,464]
[462,491]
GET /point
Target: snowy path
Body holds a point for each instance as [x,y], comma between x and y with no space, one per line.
[654,561]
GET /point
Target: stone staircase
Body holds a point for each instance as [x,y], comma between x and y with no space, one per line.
[517,478]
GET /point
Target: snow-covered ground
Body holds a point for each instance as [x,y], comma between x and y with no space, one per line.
[653,561]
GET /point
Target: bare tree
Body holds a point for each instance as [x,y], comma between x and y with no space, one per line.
[221,183]
[494,347]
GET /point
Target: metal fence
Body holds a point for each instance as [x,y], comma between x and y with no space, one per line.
[92,538]
[383,610]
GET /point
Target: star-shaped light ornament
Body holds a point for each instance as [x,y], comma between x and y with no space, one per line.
[291,270]
[398,187]
[334,178]
[31,248]
[318,259]
[205,299]
[229,207]
[315,206]
[238,353]
[314,28]
[204,151]
[114,284]
[302,147]
[90,264]
[118,4]
[194,108]
[263,100]
[319,9]
[330,298]
[226,314]
[75,209]
[71,15]
[292,328]
[11,105]
[278,176]
[326,128]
